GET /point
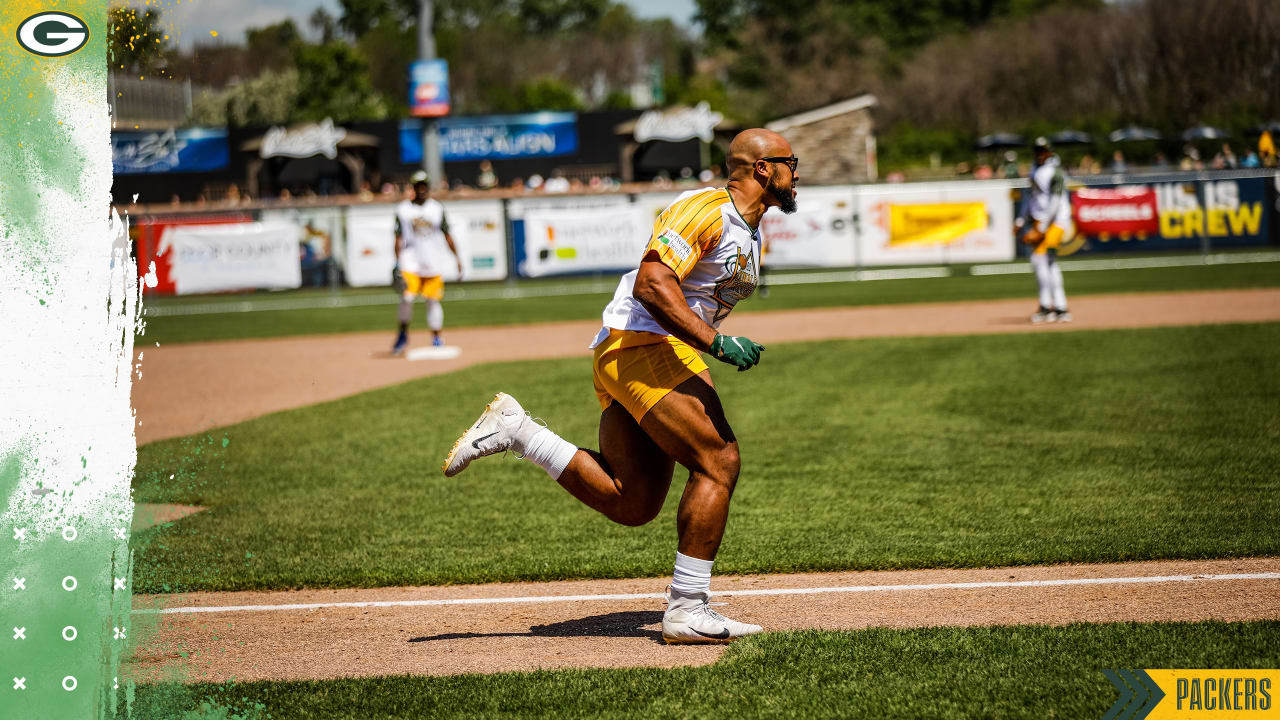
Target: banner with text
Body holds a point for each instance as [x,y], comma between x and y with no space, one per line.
[819,234]
[476,227]
[170,151]
[563,241]
[494,137]
[1170,216]
[928,223]
[217,258]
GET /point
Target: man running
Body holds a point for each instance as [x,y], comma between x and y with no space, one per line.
[659,404]
[1048,207]
[422,232]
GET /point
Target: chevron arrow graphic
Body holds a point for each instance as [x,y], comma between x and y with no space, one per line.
[1140,695]
[1125,695]
[1154,692]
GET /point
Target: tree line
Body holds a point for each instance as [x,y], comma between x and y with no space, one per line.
[945,71]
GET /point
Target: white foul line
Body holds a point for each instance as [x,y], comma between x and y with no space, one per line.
[658,596]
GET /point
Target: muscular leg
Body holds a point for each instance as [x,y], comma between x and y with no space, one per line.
[628,479]
[690,427]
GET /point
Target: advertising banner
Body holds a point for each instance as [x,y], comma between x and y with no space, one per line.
[321,235]
[1171,216]
[170,151]
[475,226]
[1125,210]
[479,232]
[495,137]
[216,258]
[819,234]
[562,241]
[934,223]
[429,88]
[371,245]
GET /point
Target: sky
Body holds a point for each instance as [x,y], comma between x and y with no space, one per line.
[195,19]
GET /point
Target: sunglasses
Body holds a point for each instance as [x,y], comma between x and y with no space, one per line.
[792,162]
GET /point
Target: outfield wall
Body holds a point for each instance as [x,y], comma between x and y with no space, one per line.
[907,224]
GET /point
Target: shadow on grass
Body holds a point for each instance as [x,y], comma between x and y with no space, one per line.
[617,624]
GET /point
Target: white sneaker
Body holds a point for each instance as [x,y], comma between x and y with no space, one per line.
[1062,316]
[690,619]
[502,421]
[1042,316]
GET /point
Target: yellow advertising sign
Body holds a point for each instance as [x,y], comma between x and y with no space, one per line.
[1195,694]
[935,223]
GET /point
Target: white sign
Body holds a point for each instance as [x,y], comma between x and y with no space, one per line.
[956,240]
[302,142]
[240,256]
[677,125]
[584,240]
[476,227]
[819,234]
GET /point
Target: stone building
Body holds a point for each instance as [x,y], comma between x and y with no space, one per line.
[836,143]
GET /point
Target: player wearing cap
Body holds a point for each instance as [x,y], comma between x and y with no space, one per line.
[422,236]
[659,404]
[1048,208]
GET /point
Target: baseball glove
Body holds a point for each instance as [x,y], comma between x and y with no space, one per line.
[397,281]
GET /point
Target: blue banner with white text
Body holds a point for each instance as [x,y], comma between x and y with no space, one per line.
[170,151]
[494,137]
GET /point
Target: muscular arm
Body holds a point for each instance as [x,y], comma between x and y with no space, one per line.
[658,289]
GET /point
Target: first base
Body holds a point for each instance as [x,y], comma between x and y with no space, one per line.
[444,352]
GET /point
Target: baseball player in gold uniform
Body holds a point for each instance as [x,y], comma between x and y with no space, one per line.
[659,405]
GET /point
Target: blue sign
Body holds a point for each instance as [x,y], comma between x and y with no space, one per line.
[170,151]
[495,137]
[429,88]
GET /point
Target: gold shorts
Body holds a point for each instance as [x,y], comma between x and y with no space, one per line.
[428,287]
[1052,239]
[637,369]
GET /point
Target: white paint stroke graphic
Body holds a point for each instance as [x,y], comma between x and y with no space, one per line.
[736,593]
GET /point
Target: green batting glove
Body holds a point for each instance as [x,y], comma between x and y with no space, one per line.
[738,351]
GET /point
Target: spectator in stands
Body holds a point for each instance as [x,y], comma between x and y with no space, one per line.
[1160,162]
[1011,169]
[175,200]
[1251,160]
[1267,150]
[233,194]
[984,172]
[517,183]
[557,183]
[487,180]
[284,196]
[366,191]
[534,182]
[1229,158]
[1118,164]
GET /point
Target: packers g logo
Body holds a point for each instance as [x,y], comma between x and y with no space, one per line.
[52,34]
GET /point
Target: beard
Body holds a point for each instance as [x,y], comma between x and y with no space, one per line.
[786,197]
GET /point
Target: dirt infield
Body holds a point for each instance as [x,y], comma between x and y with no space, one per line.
[527,626]
[191,388]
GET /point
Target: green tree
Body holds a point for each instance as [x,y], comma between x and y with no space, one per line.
[333,81]
[269,99]
[548,93]
[273,46]
[135,41]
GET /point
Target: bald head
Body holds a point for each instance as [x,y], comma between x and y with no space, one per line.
[751,145]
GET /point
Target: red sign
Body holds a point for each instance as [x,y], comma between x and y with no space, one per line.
[1114,211]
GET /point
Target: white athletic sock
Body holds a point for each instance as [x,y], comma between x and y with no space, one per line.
[1059,290]
[691,575]
[546,449]
[435,315]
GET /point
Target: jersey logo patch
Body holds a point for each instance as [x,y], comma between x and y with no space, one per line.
[679,247]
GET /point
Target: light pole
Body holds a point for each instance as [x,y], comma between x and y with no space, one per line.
[430,138]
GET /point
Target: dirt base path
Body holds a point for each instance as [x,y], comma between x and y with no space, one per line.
[527,626]
[191,388]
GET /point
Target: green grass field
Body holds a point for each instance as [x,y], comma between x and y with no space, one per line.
[1082,446]
[463,313]
[992,672]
